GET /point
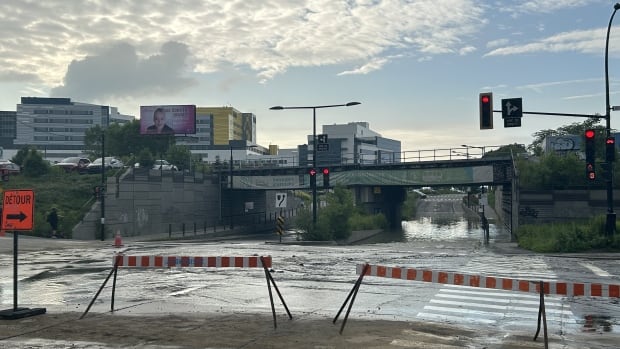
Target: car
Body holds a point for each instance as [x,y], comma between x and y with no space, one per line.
[8,167]
[110,162]
[73,164]
[164,166]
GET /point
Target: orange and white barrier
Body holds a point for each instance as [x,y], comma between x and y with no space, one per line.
[123,261]
[192,262]
[451,278]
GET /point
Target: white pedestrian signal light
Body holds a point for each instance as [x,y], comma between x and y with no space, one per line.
[486,110]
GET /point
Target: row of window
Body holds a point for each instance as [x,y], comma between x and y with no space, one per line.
[63,121]
[59,129]
[63,112]
[57,138]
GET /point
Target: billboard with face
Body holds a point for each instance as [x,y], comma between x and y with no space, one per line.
[167,119]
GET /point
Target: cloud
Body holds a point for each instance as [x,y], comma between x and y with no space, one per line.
[57,40]
[117,72]
[584,41]
[375,64]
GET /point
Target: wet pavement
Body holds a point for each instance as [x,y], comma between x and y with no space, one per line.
[315,279]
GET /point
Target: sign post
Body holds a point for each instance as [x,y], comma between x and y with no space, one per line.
[18,214]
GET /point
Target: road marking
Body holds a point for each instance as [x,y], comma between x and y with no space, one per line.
[596,270]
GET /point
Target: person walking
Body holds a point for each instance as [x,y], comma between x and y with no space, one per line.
[52,219]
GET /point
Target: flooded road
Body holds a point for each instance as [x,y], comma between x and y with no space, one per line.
[315,279]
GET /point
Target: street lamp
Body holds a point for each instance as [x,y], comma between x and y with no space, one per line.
[610,225]
[460,153]
[482,149]
[314,108]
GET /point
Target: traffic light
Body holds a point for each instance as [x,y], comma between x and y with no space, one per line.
[610,149]
[486,110]
[312,173]
[590,154]
[325,171]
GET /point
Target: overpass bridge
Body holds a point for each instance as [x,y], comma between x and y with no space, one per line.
[377,187]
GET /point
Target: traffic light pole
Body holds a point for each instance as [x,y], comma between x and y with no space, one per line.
[610,222]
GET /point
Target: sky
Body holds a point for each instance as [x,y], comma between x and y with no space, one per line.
[416,66]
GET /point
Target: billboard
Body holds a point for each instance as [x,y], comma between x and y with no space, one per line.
[167,119]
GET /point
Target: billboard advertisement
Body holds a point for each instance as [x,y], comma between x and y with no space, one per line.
[167,119]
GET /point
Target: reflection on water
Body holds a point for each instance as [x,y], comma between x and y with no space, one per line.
[439,228]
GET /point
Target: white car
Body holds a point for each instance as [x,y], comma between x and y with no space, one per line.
[110,162]
[9,167]
[164,166]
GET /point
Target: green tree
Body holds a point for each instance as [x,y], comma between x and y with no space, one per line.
[577,128]
[34,165]
[31,162]
[180,155]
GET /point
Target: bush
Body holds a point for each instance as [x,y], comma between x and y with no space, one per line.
[577,236]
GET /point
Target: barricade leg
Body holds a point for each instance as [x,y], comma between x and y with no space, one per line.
[113,271]
[543,314]
[270,281]
[113,289]
[353,293]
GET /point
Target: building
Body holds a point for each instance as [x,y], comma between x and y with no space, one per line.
[216,127]
[57,126]
[351,143]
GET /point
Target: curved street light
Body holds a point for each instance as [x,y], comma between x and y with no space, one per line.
[610,225]
[314,108]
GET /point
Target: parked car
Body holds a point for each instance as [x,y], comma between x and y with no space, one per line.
[73,164]
[164,166]
[110,162]
[8,167]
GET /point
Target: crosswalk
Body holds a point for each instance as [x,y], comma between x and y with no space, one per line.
[459,304]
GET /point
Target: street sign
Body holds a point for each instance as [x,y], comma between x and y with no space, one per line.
[512,122]
[322,139]
[18,210]
[512,108]
[322,147]
[280,200]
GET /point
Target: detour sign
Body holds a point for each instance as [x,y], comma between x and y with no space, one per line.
[18,210]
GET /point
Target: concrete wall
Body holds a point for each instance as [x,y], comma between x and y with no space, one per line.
[143,203]
[561,205]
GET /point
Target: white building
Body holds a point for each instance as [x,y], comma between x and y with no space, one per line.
[57,126]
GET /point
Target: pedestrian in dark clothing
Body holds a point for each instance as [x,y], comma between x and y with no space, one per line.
[52,219]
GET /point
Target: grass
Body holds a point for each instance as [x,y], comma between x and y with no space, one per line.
[70,193]
[577,236]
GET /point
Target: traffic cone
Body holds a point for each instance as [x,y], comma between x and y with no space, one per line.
[118,241]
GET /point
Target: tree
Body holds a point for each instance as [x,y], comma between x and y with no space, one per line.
[125,139]
[577,128]
[179,155]
[34,165]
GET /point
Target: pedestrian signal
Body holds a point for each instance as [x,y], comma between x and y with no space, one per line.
[610,149]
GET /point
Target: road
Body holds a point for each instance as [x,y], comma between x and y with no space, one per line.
[315,280]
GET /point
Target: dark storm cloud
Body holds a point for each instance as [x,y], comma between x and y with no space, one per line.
[118,72]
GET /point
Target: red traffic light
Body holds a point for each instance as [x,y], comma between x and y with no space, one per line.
[325,171]
[610,140]
[312,172]
[485,99]
[589,134]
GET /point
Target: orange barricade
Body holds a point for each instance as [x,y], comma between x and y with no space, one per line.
[123,261]
[569,289]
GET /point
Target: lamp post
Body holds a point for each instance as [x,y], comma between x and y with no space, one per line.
[314,108]
[610,225]
[230,206]
[482,149]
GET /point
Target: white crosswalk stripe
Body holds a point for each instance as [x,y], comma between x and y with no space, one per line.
[497,307]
